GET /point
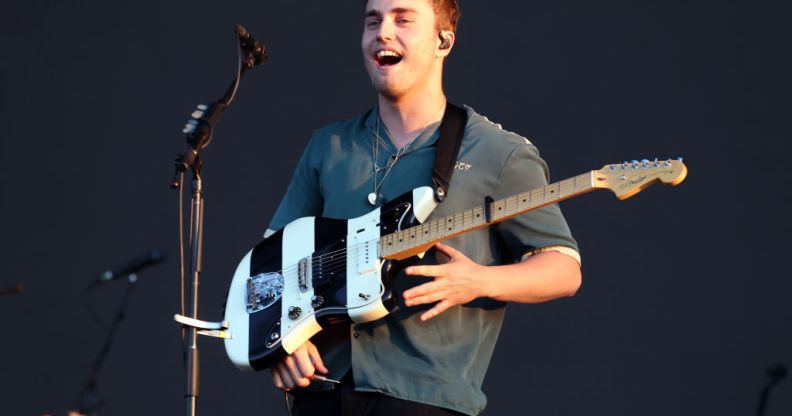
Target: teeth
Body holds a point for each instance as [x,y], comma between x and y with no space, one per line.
[382,54]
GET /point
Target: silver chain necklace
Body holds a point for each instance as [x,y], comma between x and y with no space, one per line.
[374,196]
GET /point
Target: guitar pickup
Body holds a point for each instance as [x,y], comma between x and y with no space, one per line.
[368,257]
[303,273]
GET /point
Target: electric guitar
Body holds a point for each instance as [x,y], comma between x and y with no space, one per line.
[319,271]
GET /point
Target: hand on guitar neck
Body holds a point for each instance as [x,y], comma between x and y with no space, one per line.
[299,368]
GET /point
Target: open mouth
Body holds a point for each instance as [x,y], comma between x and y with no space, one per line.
[387,58]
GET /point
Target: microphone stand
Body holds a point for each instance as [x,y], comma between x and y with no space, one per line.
[89,402]
[774,375]
[199,129]
[12,290]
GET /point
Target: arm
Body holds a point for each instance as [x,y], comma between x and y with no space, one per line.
[539,278]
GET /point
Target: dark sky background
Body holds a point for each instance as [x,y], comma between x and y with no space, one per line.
[685,301]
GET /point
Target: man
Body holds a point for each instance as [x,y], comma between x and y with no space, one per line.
[430,354]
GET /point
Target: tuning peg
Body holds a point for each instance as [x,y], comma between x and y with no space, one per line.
[202,107]
[197,114]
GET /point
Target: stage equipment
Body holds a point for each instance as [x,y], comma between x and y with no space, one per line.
[150,258]
[89,401]
[199,129]
[774,376]
[12,290]
[318,272]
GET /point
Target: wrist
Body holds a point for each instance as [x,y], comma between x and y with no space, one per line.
[487,282]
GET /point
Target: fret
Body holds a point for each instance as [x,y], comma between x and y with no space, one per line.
[523,201]
[564,188]
[514,201]
[497,209]
[424,231]
[478,213]
[448,225]
[536,197]
[456,225]
[468,218]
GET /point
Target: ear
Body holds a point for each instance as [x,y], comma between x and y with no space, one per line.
[450,38]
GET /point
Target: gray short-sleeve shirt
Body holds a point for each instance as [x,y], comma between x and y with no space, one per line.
[440,362]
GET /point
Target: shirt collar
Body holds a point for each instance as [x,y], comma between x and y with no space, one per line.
[427,137]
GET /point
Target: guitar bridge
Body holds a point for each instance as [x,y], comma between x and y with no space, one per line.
[263,290]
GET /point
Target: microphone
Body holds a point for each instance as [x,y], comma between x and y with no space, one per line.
[151,258]
[250,44]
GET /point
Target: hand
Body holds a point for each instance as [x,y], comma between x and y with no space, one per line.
[455,283]
[298,368]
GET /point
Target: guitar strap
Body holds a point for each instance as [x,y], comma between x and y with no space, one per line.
[452,128]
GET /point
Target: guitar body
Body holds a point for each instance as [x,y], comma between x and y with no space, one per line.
[314,273]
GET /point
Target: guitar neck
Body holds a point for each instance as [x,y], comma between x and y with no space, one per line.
[417,239]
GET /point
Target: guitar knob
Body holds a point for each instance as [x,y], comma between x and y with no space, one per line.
[294,312]
[317,301]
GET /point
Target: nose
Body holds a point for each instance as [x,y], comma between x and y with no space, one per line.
[386,31]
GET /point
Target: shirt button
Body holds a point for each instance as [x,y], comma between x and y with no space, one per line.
[356,335]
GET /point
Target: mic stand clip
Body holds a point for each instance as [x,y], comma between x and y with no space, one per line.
[211,329]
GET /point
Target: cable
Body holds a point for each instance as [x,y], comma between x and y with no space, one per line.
[288,406]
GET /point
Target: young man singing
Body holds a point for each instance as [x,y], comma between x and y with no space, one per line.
[428,356]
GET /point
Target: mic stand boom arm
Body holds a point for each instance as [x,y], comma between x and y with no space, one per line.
[199,130]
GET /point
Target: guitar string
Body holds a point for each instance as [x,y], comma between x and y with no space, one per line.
[458,221]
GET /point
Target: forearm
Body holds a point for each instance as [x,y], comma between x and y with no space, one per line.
[542,277]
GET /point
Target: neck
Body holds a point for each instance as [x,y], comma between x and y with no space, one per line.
[406,116]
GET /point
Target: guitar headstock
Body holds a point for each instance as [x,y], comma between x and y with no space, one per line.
[628,178]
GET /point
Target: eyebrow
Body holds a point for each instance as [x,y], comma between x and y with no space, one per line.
[397,10]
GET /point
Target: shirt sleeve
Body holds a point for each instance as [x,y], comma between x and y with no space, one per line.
[303,196]
[542,228]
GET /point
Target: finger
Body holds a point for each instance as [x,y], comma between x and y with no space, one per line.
[425,299]
[431,271]
[285,376]
[421,290]
[437,310]
[303,361]
[316,359]
[276,379]
[294,372]
[449,251]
